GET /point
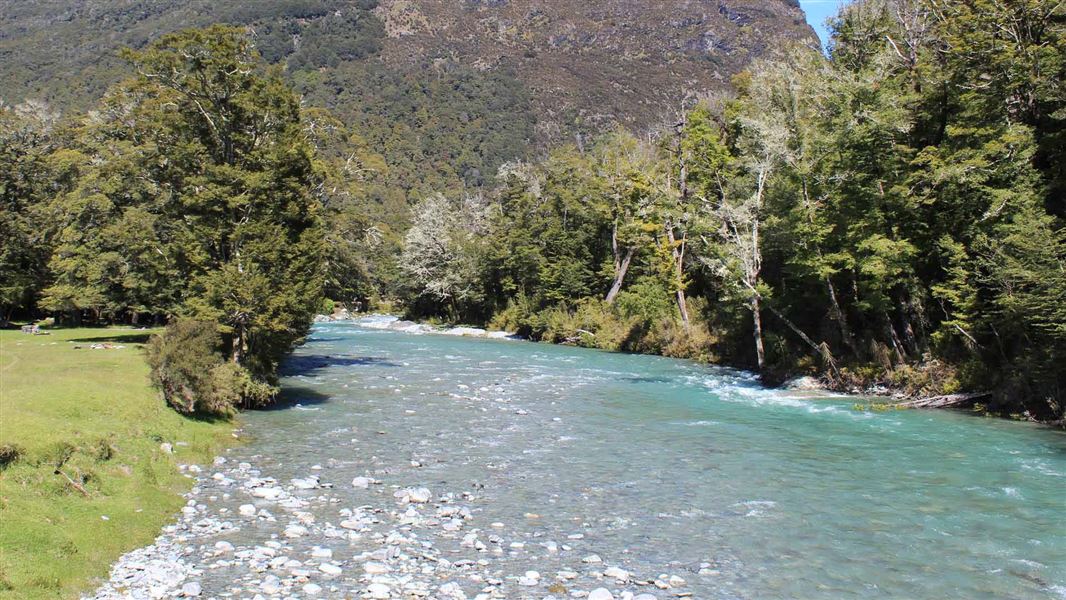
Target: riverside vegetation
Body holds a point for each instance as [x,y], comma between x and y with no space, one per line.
[888,214]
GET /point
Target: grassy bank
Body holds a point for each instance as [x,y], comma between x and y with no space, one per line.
[93,413]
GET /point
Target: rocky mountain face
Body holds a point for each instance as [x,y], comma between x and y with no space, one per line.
[594,62]
[585,63]
[446,90]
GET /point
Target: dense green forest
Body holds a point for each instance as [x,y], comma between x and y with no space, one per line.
[890,214]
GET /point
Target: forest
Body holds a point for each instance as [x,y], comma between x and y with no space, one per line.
[888,215]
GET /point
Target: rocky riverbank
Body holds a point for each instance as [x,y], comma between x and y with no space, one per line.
[398,542]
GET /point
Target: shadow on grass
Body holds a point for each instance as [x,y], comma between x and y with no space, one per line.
[206,418]
[308,364]
[116,338]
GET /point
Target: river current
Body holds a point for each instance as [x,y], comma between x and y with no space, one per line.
[668,468]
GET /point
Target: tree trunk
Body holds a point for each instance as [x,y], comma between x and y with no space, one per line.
[760,352]
[678,253]
[910,340]
[679,250]
[238,344]
[948,401]
[893,337]
[838,316]
[821,349]
[620,275]
[682,307]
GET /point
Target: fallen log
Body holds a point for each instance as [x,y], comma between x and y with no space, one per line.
[74,484]
[946,401]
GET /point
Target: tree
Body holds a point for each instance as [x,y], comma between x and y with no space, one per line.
[630,171]
[27,178]
[197,199]
[442,250]
[702,159]
[737,253]
[360,248]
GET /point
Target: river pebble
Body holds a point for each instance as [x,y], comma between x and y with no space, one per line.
[395,549]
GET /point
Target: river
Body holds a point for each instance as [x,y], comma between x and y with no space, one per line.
[637,474]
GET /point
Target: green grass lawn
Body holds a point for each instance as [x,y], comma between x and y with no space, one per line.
[93,412]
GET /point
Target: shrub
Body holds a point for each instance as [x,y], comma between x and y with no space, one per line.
[592,324]
[182,359]
[673,340]
[194,378]
[9,453]
[328,306]
[518,318]
[232,386]
[646,300]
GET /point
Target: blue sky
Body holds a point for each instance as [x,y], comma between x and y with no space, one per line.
[818,11]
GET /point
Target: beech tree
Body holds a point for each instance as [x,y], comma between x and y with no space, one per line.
[28,177]
[630,171]
[442,249]
[196,200]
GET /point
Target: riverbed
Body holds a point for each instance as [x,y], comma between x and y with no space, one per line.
[405,466]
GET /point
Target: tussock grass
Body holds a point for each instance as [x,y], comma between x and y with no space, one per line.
[92,416]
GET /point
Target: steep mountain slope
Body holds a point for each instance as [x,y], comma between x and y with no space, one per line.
[445,89]
[594,62]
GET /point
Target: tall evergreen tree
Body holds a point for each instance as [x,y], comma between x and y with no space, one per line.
[198,199]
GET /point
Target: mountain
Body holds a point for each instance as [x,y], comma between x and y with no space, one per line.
[592,63]
[446,90]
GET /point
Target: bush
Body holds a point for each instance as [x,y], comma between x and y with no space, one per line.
[232,385]
[646,300]
[669,337]
[519,317]
[194,378]
[9,453]
[182,359]
[328,306]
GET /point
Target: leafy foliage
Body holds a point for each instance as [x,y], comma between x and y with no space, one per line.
[193,195]
[893,209]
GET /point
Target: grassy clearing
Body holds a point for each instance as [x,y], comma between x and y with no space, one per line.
[93,412]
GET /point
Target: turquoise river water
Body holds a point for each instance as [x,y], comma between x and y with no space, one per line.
[663,466]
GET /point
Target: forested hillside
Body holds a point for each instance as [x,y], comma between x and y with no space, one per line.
[889,215]
[446,90]
[440,94]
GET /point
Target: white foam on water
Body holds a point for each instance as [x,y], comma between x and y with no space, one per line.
[377,321]
[1032,564]
[1040,466]
[759,397]
[756,508]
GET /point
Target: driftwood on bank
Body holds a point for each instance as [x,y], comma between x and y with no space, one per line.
[947,401]
[74,484]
